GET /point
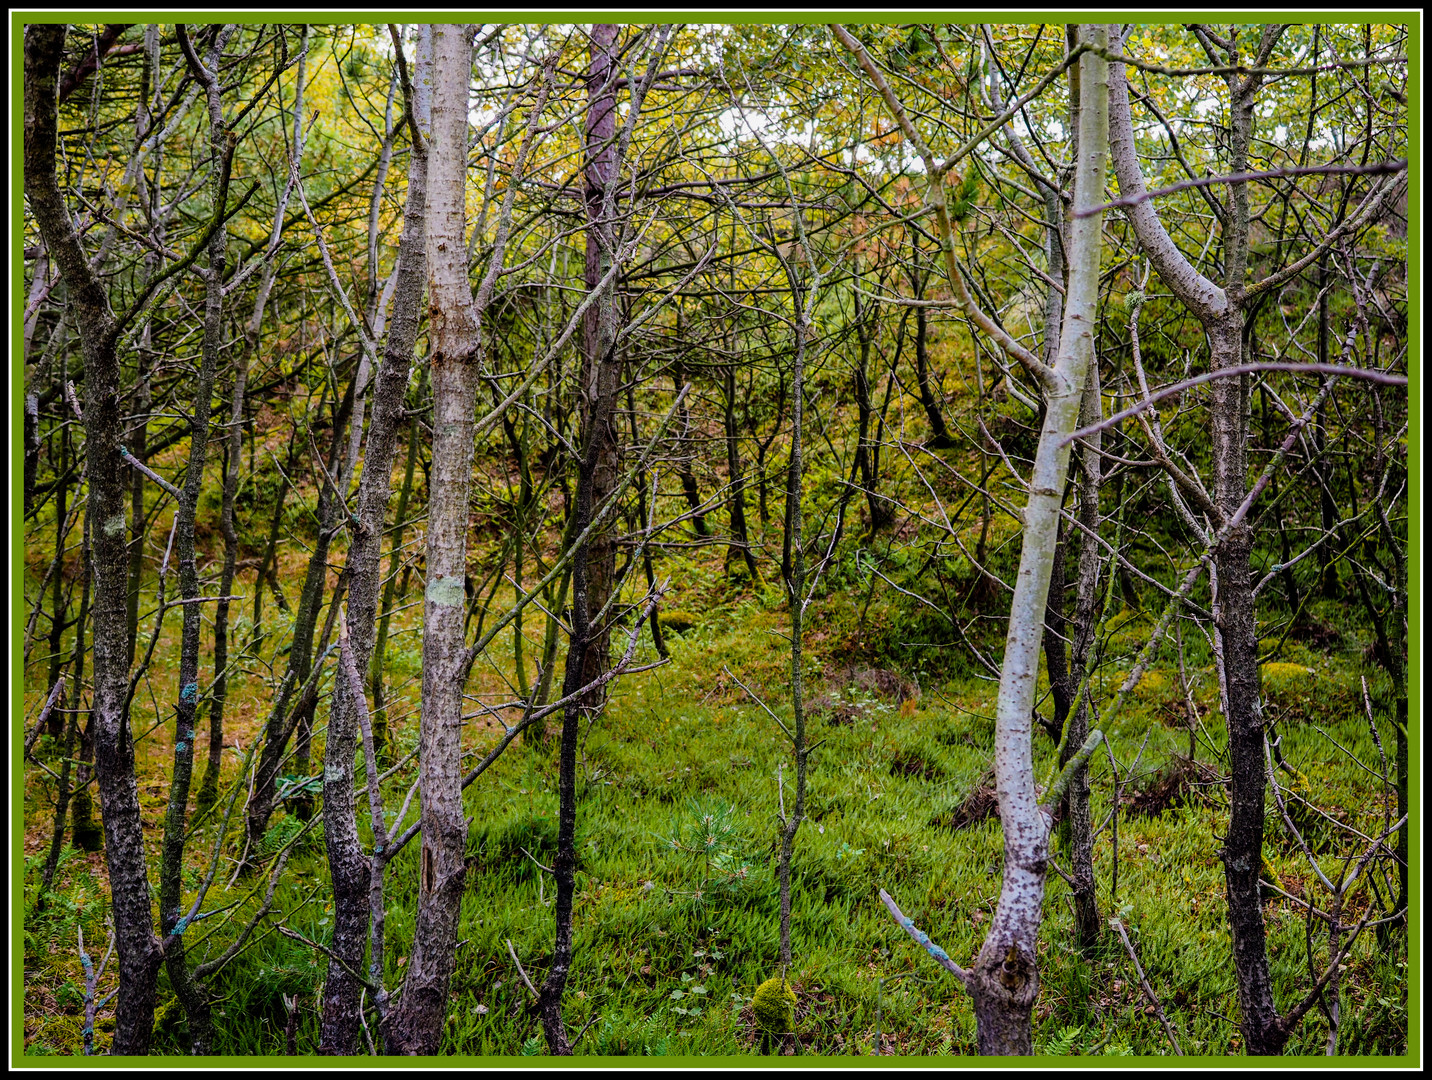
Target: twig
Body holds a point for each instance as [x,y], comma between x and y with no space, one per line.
[1144,982]
[134,462]
[286,932]
[1382,377]
[92,978]
[367,1036]
[588,1024]
[1375,169]
[74,400]
[55,692]
[759,702]
[923,940]
[526,981]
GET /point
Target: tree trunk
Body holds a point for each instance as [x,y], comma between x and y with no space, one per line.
[395,553]
[866,448]
[740,533]
[62,795]
[194,997]
[135,943]
[689,487]
[1004,981]
[282,725]
[59,604]
[594,562]
[416,1024]
[349,868]
[209,787]
[1221,313]
[939,434]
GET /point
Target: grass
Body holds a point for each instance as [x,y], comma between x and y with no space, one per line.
[672,939]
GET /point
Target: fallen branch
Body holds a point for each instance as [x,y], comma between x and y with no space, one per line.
[526,981]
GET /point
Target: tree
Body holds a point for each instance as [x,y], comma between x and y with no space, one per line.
[1004,981]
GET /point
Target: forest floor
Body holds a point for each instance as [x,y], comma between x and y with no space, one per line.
[676,914]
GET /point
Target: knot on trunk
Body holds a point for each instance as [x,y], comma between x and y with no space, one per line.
[1015,971]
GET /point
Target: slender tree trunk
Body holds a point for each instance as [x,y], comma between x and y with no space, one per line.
[594,562]
[281,724]
[689,487]
[62,794]
[138,440]
[32,446]
[349,868]
[194,997]
[1087,923]
[939,434]
[209,787]
[266,562]
[1004,981]
[740,534]
[795,579]
[866,328]
[395,554]
[1221,311]
[415,1026]
[59,604]
[135,943]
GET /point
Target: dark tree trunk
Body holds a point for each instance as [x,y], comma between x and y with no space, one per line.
[139,439]
[195,998]
[282,725]
[740,534]
[689,487]
[32,446]
[594,563]
[59,604]
[135,943]
[867,451]
[62,795]
[395,554]
[939,434]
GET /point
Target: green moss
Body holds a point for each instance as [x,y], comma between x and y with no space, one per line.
[774,1004]
[88,835]
[677,621]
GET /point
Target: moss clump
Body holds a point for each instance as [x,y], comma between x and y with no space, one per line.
[88,835]
[1277,671]
[774,1004]
[677,621]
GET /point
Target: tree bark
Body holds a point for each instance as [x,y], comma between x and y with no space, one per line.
[195,998]
[1004,981]
[349,868]
[395,553]
[135,942]
[1220,310]
[416,1024]
[594,562]
[282,725]
[740,532]
[209,786]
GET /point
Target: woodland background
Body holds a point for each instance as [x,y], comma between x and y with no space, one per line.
[531,531]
